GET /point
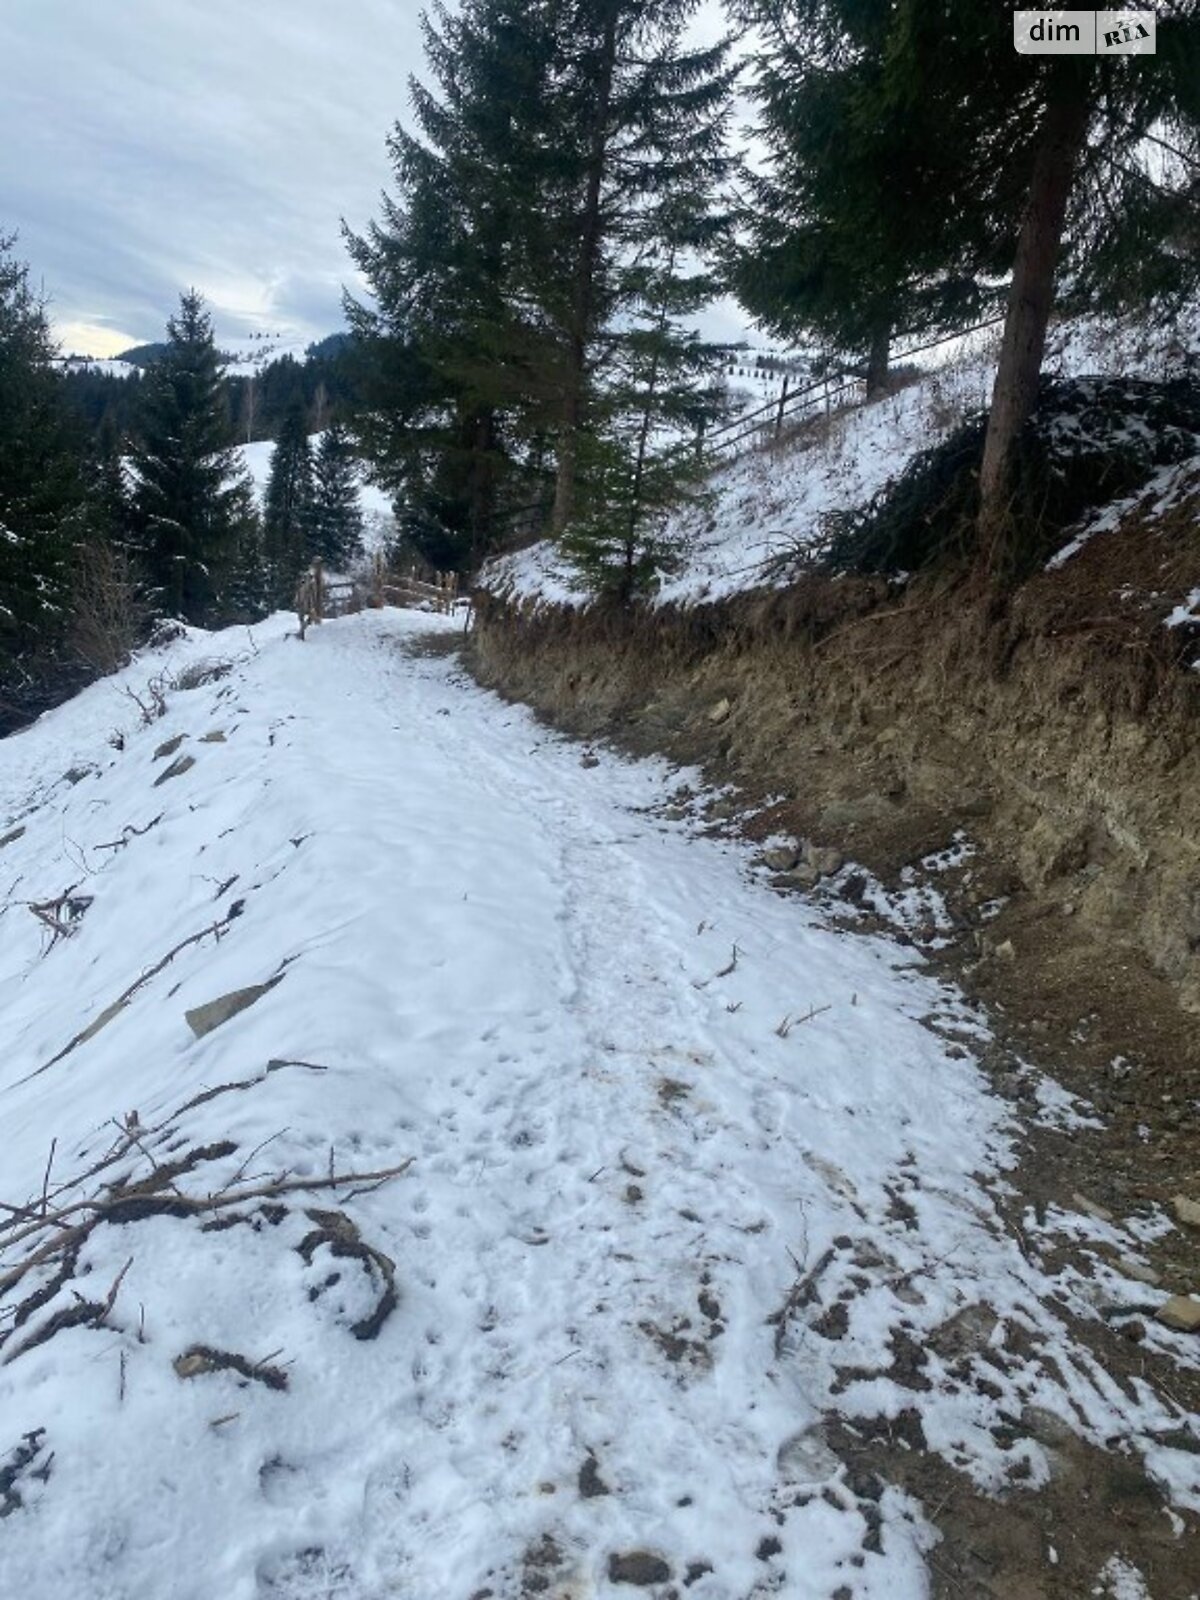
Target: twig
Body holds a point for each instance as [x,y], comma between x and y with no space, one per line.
[196,1204]
[46,1178]
[789,1022]
[129,832]
[215,929]
[732,967]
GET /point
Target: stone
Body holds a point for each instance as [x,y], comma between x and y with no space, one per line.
[966,1333]
[801,878]
[782,858]
[1005,951]
[720,711]
[75,775]
[1186,1211]
[1090,1208]
[1136,1271]
[214,737]
[203,1019]
[169,747]
[823,860]
[1181,1313]
[11,838]
[638,1567]
[722,810]
[589,760]
[177,768]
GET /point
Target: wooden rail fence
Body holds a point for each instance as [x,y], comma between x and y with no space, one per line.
[318,596]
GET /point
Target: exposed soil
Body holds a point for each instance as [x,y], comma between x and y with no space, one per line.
[1059,732]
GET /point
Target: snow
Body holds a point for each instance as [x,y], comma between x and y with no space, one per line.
[1188,612]
[772,506]
[511,968]
[106,368]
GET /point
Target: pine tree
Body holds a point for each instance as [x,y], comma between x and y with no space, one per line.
[41,498]
[191,496]
[337,517]
[109,491]
[247,597]
[452,364]
[287,516]
[845,237]
[638,118]
[639,462]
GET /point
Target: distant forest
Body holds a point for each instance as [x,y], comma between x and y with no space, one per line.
[325,385]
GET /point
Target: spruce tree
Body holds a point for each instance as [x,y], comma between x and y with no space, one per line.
[337,517]
[287,514]
[453,360]
[640,460]
[247,597]
[638,118]
[844,235]
[191,495]
[41,498]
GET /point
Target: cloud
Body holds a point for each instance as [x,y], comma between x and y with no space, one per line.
[145,148]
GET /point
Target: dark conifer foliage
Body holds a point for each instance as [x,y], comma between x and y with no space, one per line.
[336,515]
[640,144]
[41,497]
[288,512]
[523,262]
[191,498]
[454,360]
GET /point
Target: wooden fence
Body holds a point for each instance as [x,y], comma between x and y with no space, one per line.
[318,596]
[840,390]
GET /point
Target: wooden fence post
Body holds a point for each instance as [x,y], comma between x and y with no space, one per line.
[318,590]
[782,406]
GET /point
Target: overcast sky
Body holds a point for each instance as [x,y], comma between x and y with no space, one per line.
[149,145]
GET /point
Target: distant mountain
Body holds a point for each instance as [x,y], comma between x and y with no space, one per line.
[141,355]
[331,345]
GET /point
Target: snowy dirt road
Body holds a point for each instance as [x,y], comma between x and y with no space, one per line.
[697,1182]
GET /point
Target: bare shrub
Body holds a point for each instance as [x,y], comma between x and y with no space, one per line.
[109,611]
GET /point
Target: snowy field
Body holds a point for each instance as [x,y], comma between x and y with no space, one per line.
[692,1175]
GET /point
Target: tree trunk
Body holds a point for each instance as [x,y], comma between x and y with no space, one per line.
[877,362]
[482,430]
[584,292]
[1031,298]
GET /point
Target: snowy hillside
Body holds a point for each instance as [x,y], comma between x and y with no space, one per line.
[249,354]
[773,503]
[436,1165]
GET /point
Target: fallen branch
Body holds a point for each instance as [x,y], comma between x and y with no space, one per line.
[129,832]
[802,1293]
[133,1205]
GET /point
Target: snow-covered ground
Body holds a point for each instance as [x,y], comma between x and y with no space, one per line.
[770,504]
[691,1172]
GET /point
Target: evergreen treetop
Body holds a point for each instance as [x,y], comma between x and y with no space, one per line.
[191,493]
